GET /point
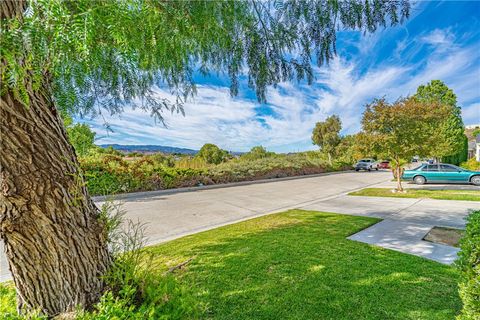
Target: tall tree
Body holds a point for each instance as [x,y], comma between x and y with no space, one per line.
[401,130]
[79,134]
[326,135]
[90,57]
[450,146]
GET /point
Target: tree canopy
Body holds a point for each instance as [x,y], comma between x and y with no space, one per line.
[401,130]
[452,144]
[212,154]
[80,135]
[326,134]
[102,55]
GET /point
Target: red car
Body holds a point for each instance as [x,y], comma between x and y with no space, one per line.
[384,165]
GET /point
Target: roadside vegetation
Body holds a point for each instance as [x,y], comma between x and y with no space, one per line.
[467,195]
[469,265]
[297,264]
[471,164]
[108,172]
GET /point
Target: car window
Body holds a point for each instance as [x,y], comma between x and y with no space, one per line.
[448,168]
[430,167]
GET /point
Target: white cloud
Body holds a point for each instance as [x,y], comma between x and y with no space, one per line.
[439,37]
[471,114]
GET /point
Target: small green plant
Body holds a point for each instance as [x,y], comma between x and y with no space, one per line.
[469,265]
[8,308]
[471,164]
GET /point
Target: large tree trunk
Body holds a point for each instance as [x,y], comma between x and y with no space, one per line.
[55,243]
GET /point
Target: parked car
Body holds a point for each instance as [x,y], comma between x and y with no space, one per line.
[366,164]
[384,164]
[441,172]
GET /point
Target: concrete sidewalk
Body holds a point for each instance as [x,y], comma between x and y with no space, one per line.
[406,237]
[405,222]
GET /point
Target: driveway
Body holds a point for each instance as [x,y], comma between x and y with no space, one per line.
[172,214]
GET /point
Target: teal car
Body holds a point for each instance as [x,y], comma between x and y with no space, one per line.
[441,173]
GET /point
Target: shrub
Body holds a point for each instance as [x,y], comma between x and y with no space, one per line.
[212,154]
[191,163]
[107,150]
[134,154]
[469,265]
[255,153]
[471,164]
[266,168]
[8,308]
[110,174]
[165,160]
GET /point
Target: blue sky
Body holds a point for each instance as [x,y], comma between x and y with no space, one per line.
[441,40]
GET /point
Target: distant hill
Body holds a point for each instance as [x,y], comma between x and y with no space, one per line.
[149,149]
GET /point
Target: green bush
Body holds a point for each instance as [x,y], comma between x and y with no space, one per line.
[265,168]
[257,152]
[8,307]
[154,298]
[110,174]
[109,150]
[191,163]
[469,265]
[471,164]
[212,154]
[461,154]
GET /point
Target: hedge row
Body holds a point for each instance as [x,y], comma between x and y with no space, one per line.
[469,265]
[110,174]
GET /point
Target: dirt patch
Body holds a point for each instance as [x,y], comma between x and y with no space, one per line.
[443,235]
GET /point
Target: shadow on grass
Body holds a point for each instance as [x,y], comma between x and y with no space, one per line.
[299,265]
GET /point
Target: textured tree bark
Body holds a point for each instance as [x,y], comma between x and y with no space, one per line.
[398,173]
[55,242]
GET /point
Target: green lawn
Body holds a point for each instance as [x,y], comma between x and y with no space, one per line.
[299,265]
[467,195]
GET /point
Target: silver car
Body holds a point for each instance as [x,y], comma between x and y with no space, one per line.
[366,164]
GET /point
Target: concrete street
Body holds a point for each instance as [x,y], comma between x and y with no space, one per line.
[173,214]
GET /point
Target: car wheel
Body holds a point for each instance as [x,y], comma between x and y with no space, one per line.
[475,180]
[376,168]
[369,169]
[357,170]
[419,180]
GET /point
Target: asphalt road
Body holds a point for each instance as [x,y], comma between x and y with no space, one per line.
[169,215]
